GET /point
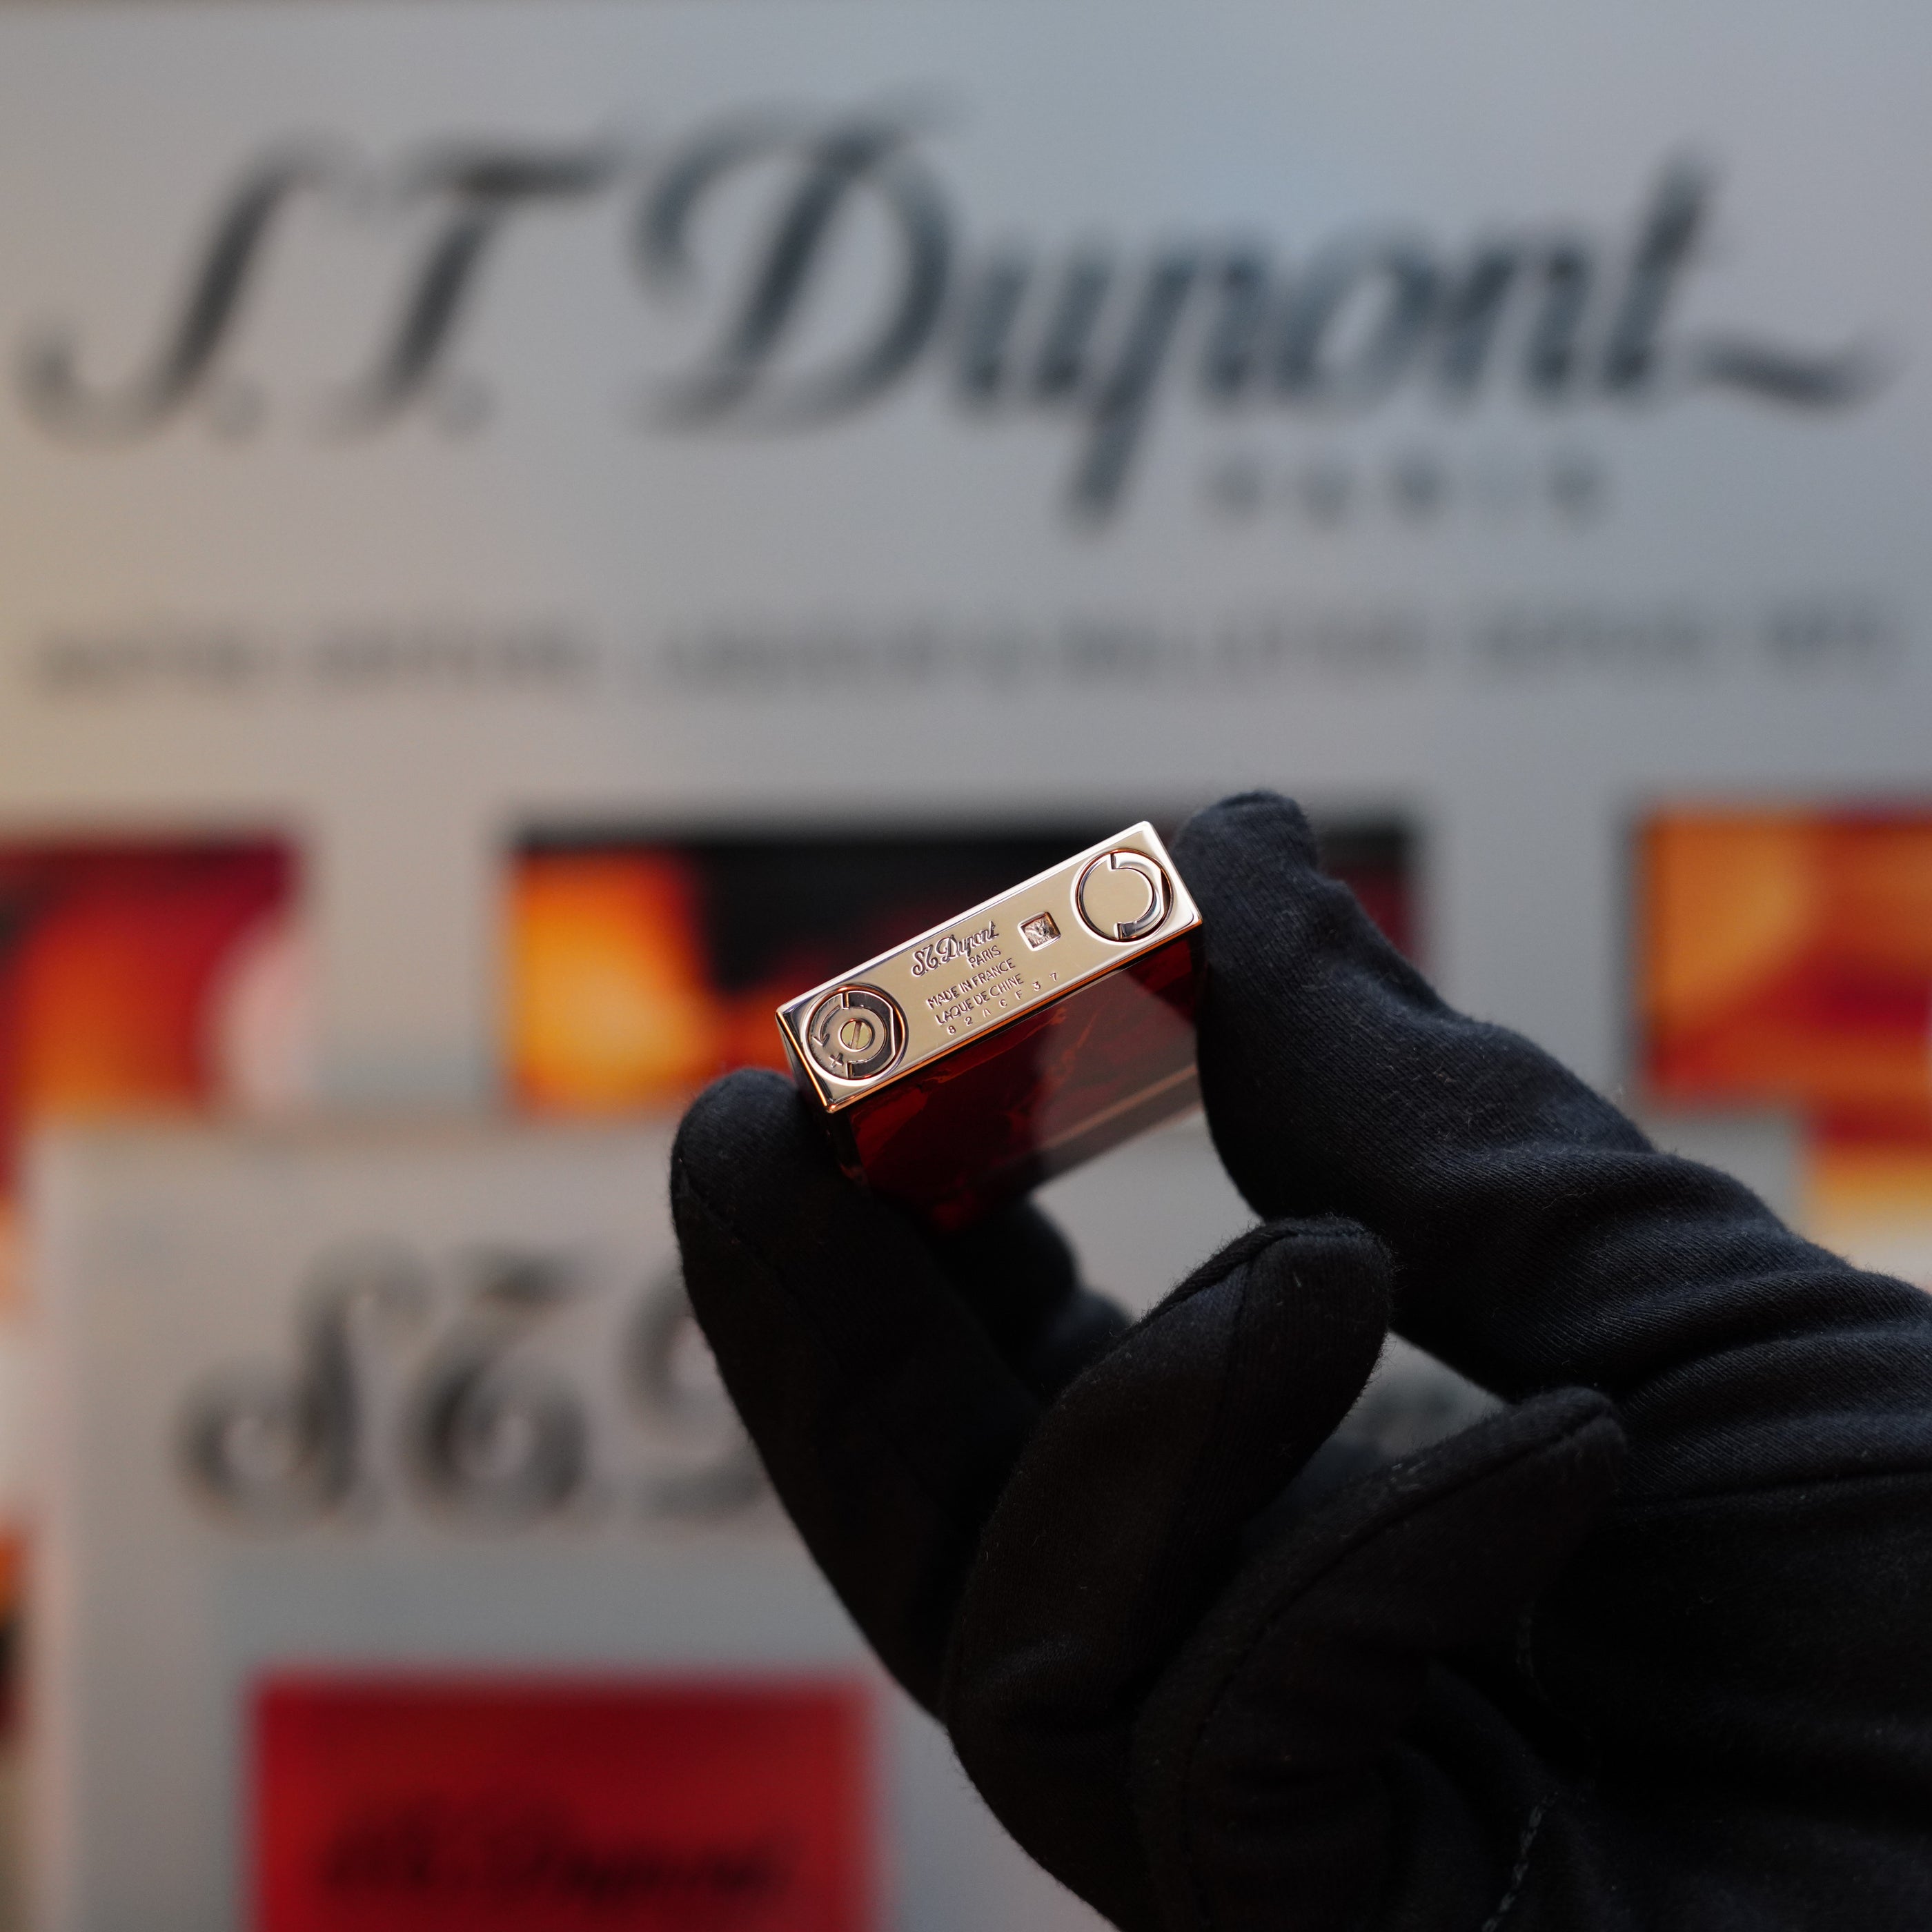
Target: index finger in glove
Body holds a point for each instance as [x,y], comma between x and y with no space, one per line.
[1540,1239]
[887,1413]
[1124,1514]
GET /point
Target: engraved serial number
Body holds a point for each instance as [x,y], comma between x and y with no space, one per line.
[955,945]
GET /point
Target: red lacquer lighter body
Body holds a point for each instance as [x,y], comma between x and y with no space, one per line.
[992,1053]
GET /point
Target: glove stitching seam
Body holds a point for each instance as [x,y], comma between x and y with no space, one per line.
[1239,1253]
[1520,1871]
[1525,1655]
[1413,1505]
[1641,1508]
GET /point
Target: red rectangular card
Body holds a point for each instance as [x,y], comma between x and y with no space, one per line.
[481,1804]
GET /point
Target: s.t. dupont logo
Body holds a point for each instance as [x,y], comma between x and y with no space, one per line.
[746,230]
[954,945]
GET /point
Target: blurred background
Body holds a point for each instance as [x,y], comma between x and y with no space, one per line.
[529,535]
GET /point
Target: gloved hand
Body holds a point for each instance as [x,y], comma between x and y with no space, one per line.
[1650,1647]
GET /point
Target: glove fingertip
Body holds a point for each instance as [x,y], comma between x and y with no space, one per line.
[751,1117]
[1333,1262]
[1576,1430]
[1320,1292]
[1589,1459]
[1248,825]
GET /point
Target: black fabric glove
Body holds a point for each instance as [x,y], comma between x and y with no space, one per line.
[1650,1647]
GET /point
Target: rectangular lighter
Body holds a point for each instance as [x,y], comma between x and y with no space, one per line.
[989,1054]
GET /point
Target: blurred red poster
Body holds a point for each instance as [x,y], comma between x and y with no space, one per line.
[143,976]
[444,1804]
[1786,959]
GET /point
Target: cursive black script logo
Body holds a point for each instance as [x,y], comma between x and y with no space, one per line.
[1096,335]
[434,1380]
[954,945]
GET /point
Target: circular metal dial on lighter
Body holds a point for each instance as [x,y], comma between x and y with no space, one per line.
[856,1033]
[1122,895]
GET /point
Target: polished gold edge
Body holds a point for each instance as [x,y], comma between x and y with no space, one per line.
[994,968]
